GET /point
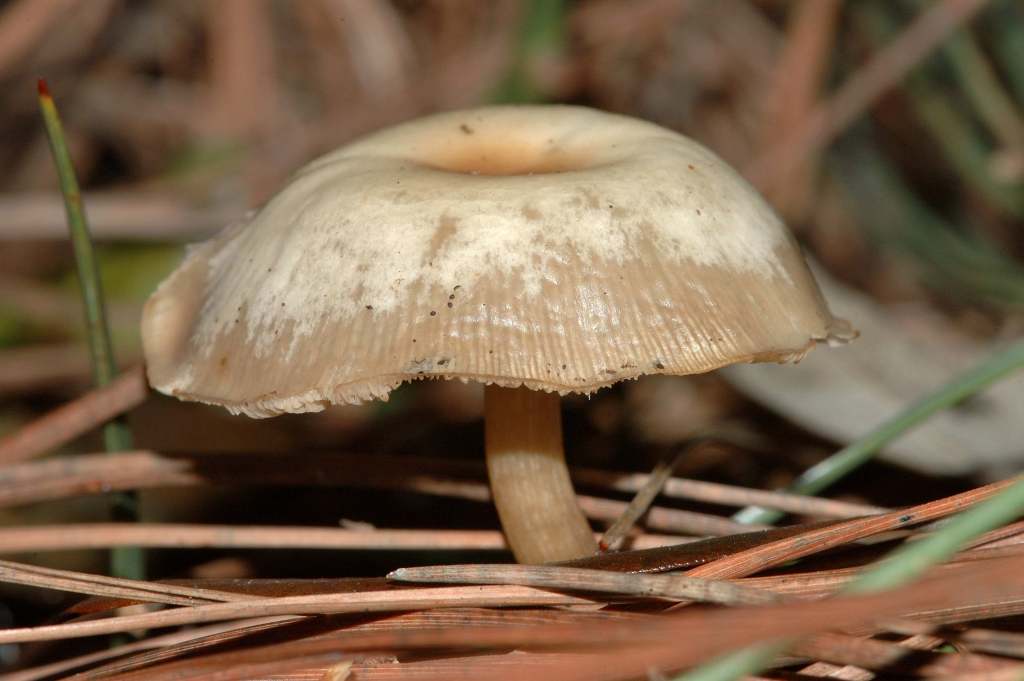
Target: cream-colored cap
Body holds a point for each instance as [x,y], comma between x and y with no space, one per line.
[555,247]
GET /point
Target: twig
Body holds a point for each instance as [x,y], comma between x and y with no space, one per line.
[167,535]
[75,418]
[639,505]
[127,562]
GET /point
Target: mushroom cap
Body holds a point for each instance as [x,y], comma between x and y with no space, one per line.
[555,247]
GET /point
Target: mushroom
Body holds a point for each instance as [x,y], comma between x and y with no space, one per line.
[540,250]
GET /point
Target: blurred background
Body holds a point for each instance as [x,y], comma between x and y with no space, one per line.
[888,133]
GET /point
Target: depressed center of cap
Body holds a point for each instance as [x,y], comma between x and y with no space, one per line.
[517,156]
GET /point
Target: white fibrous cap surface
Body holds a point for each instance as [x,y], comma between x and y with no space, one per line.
[550,246]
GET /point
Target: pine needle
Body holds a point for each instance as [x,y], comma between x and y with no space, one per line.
[126,561]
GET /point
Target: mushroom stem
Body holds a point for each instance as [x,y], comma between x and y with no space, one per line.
[529,479]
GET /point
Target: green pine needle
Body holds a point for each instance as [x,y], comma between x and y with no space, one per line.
[125,562]
[902,566]
[911,560]
[848,459]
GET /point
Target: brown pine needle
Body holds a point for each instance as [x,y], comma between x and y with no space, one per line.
[838,534]
[61,425]
[708,633]
[331,666]
[688,554]
[427,630]
[1008,644]
[461,668]
[134,214]
[876,655]
[319,604]
[677,587]
[112,587]
[84,474]
[42,366]
[893,658]
[674,641]
[1004,536]
[616,534]
[796,79]
[1009,674]
[169,535]
[728,495]
[416,630]
[60,477]
[454,637]
[221,632]
[674,587]
[662,519]
[825,582]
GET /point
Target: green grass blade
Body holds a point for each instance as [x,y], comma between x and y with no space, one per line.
[958,259]
[910,561]
[851,457]
[128,561]
[941,116]
[734,665]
